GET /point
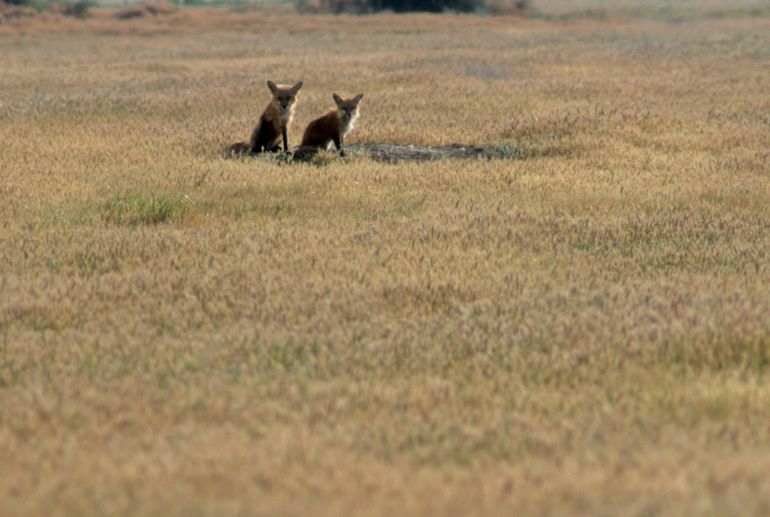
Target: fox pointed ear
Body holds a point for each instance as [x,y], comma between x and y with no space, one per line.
[296,87]
[272,86]
[358,98]
[337,99]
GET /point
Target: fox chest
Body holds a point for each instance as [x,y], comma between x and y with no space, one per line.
[268,132]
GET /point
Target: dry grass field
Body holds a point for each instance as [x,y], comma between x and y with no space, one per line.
[582,328]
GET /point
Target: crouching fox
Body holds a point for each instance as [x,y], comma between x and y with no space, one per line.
[273,123]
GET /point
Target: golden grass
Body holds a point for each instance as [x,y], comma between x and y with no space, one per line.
[582,328]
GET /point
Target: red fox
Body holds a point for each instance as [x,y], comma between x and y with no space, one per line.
[332,127]
[273,122]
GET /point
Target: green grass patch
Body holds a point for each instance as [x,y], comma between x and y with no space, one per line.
[142,209]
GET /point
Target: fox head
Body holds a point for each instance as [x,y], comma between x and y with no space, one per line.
[347,108]
[284,96]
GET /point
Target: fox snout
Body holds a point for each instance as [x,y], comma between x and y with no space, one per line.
[284,105]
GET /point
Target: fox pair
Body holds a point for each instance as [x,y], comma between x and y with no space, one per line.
[328,129]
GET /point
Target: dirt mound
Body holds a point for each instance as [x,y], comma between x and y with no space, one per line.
[396,153]
[389,153]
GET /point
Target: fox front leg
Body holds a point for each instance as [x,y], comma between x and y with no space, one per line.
[285,140]
[338,144]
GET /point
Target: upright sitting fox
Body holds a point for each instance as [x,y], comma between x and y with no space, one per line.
[273,122]
[332,127]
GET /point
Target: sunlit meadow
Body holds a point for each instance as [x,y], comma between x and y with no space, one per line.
[582,327]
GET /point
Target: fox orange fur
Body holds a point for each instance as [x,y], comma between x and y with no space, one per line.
[273,123]
[334,125]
